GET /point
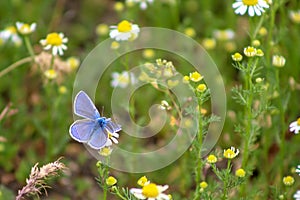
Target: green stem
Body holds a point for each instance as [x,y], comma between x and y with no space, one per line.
[225,188]
[282,123]
[15,65]
[52,61]
[29,47]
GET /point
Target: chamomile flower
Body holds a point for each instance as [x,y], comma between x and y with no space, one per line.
[224,35]
[297,195]
[295,126]
[24,28]
[231,153]
[209,43]
[250,51]
[110,181]
[278,61]
[240,173]
[164,105]
[295,16]
[237,57]
[50,74]
[201,87]
[56,42]
[254,7]
[105,151]
[288,180]
[211,159]
[124,31]
[151,191]
[195,77]
[203,185]
[298,169]
[143,181]
[10,34]
[143,3]
[122,79]
[112,138]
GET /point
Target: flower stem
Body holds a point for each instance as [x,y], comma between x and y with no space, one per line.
[14,66]
[29,47]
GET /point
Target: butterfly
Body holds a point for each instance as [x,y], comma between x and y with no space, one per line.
[93,130]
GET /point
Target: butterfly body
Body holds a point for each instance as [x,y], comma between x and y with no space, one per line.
[93,130]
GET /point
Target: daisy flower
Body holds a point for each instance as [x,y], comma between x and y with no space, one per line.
[143,3]
[124,31]
[122,79]
[295,16]
[151,191]
[112,138]
[278,61]
[298,169]
[254,7]
[231,153]
[56,42]
[24,28]
[295,126]
[224,35]
[10,33]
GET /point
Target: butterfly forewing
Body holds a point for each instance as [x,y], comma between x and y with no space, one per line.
[84,107]
[82,130]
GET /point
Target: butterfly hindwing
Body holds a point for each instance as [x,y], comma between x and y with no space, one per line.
[81,130]
[112,127]
[98,138]
[84,107]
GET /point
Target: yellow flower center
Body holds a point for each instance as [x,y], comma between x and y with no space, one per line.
[110,181]
[201,87]
[25,28]
[124,26]
[212,159]
[11,29]
[240,173]
[203,184]
[195,76]
[288,180]
[54,39]
[250,2]
[142,181]
[229,153]
[123,79]
[298,121]
[150,190]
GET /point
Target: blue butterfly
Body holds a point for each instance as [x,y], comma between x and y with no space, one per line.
[94,130]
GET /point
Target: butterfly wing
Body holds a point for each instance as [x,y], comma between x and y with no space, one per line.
[98,138]
[82,130]
[84,107]
[112,127]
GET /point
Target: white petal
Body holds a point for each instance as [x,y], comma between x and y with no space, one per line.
[113,33]
[293,124]
[237,4]
[241,10]
[162,188]
[54,50]
[251,11]
[48,47]
[108,143]
[33,26]
[257,10]
[114,140]
[60,51]
[143,5]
